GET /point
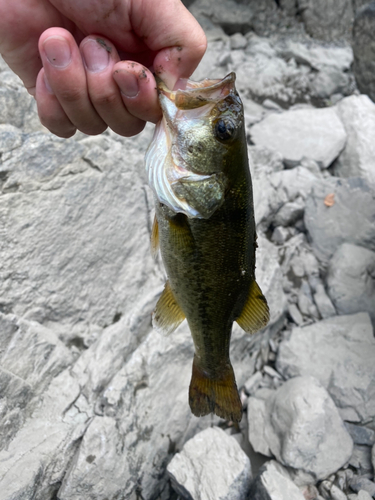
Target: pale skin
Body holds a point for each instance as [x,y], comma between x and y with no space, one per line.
[89,63]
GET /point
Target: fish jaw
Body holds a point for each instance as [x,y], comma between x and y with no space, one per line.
[185,160]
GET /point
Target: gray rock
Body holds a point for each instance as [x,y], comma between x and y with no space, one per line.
[211,466]
[329,80]
[211,64]
[351,280]
[349,220]
[295,314]
[360,434]
[339,352]
[361,459]
[323,303]
[61,258]
[358,483]
[290,6]
[269,278]
[301,427]
[373,457]
[280,235]
[313,133]
[327,20]
[238,41]
[364,49]
[231,16]
[290,213]
[337,494]
[363,495]
[274,483]
[357,158]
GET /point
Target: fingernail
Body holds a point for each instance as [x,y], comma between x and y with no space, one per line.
[57,51]
[96,57]
[48,86]
[127,82]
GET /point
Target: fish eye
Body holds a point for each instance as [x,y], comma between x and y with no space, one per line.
[224,130]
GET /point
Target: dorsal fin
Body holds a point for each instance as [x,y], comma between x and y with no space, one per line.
[255,314]
[168,315]
[155,238]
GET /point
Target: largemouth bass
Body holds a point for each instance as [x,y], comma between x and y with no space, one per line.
[197,166]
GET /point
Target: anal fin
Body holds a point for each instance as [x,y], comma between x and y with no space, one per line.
[167,315]
[255,314]
[216,394]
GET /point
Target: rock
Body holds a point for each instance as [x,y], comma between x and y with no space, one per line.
[351,280]
[337,494]
[263,75]
[339,352]
[358,483]
[373,457]
[361,435]
[211,63]
[295,314]
[330,80]
[252,384]
[290,213]
[73,248]
[273,483]
[231,16]
[280,235]
[269,278]
[358,156]
[323,303]
[364,49]
[17,106]
[327,20]
[211,466]
[290,6]
[363,495]
[317,56]
[361,459]
[238,41]
[350,219]
[301,427]
[313,133]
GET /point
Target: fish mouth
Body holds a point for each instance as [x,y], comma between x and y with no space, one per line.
[198,94]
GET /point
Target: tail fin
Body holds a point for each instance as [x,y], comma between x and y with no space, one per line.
[218,395]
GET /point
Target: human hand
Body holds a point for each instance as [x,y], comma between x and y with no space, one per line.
[86,62]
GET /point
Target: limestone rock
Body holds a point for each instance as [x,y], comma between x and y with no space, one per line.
[273,482]
[361,435]
[351,280]
[339,352]
[211,466]
[358,157]
[61,258]
[323,303]
[302,428]
[327,20]
[231,16]
[364,49]
[350,219]
[313,133]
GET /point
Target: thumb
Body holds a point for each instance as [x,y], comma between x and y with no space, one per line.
[171,31]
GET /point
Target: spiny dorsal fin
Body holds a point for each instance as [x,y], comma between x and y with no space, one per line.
[255,314]
[167,315]
[155,238]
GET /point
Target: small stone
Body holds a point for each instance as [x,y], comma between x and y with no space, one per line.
[323,302]
[253,383]
[237,41]
[271,372]
[361,458]
[358,483]
[363,495]
[211,465]
[295,314]
[280,235]
[274,483]
[361,434]
[337,494]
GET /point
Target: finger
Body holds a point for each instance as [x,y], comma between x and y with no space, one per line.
[100,58]
[138,90]
[66,75]
[50,112]
[177,37]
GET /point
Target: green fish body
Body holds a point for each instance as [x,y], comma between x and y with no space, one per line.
[204,225]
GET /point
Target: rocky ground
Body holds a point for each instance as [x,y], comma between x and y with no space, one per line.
[93,402]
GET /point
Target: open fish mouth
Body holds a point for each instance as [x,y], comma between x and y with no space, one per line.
[180,160]
[197,94]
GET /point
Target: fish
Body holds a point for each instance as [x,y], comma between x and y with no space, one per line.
[198,169]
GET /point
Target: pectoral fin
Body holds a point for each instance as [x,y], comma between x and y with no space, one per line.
[255,314]
[155,238]
[167,315]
